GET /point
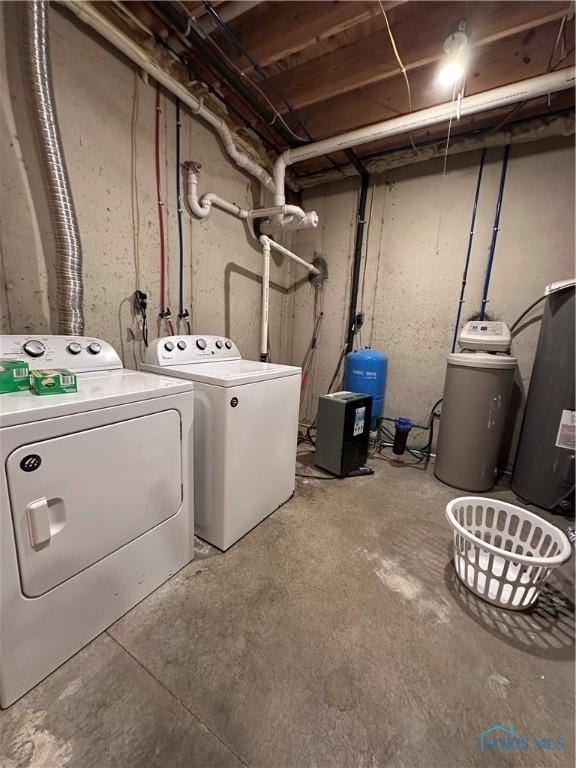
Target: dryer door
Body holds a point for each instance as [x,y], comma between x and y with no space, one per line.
[77,498]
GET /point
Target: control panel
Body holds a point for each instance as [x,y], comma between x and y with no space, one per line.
[180,350]
[485,336]
[78,353]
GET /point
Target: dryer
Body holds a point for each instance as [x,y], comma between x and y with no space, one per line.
[246,432]
[96,510]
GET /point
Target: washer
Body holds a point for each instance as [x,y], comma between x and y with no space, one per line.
[96,510]
[246,417]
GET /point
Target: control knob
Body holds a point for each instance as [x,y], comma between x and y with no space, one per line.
[228,345]
[201,343]
[94,348]
[168,346]
[219,344]
[181,345]
[74,348]
[34,348]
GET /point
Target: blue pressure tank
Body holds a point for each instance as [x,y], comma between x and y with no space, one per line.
[365,372]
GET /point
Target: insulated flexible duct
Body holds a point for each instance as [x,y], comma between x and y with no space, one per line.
[35,51]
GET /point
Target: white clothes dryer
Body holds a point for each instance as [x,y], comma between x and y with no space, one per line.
[96,510]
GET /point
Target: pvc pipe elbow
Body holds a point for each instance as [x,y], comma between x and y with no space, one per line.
[310,221]
[290,223]
[199,210]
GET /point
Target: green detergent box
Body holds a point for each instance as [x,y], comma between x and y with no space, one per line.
[59,381]
[14,376]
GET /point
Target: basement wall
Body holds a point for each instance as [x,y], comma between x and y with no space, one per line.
[95,91]
[416,246]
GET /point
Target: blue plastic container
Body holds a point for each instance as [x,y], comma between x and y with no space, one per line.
[365,372]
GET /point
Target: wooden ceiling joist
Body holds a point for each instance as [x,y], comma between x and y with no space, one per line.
[372,59]
[289,27]
[333,61]
[504,61]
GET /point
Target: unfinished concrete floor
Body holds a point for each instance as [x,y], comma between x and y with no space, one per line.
[335,634]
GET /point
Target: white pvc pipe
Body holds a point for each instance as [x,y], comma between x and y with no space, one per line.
[266,241]
[470,105]
[281,224]
[267,245]
[201,207]
[90,16]
[265,299]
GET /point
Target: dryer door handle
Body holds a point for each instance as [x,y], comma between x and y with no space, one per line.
[38,522]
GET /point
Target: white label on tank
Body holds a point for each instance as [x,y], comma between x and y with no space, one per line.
[566,431]
[359,420]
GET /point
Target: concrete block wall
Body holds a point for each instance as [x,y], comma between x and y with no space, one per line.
[416,245]
[95,92]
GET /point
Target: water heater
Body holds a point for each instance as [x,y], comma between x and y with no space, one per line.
[544,467]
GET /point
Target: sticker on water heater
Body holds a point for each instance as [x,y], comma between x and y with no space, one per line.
[359,420]
[566,437]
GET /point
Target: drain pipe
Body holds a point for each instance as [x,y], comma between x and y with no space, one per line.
[358,245]
[267,245]
[415,121]
[494,233]
[201,207]
[36,56]
[90,16]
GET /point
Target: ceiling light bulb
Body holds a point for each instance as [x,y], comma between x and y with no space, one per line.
[451,72]
[453,68]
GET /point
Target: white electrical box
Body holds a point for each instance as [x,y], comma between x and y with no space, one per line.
[485,336]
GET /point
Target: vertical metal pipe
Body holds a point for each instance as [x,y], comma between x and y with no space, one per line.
[358,244]
[35,51]
[469,251]
[494,233]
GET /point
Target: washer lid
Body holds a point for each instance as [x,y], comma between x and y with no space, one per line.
[98,389]
[481,360]
[231,373]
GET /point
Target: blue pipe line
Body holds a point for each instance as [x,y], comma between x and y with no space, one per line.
[469,251]
[494,233]
[179,208]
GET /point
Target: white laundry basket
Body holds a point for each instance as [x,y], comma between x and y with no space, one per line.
[503,553]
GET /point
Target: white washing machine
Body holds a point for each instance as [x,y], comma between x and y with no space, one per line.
[246,432]
[95,509]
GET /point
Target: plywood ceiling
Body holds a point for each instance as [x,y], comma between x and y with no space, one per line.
[326,67]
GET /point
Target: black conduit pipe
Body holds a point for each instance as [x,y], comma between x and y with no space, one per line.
[494,233]
[469,251]
[358,243]
[237,45]
[213,59]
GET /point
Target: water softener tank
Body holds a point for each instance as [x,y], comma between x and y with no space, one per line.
[365,372]
[476,398]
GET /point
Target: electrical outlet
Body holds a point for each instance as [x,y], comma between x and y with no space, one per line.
[140,303]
